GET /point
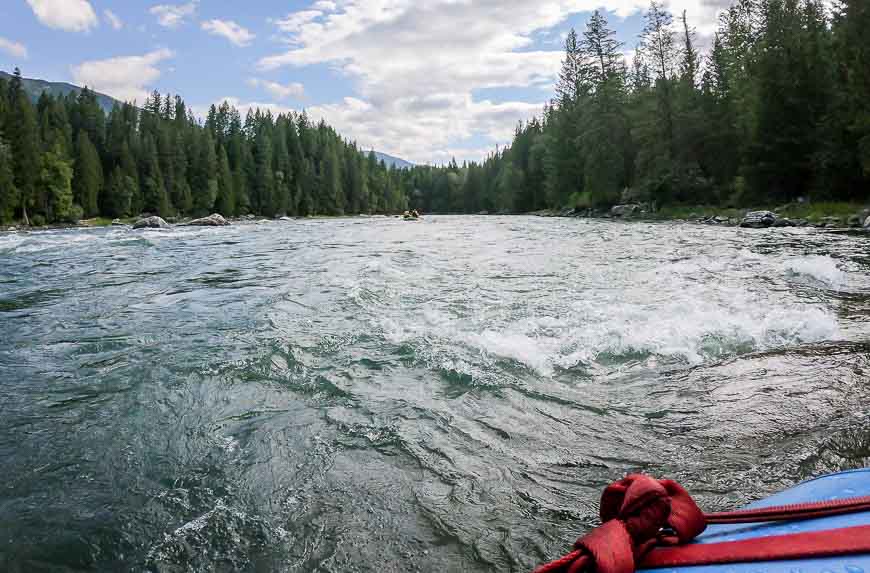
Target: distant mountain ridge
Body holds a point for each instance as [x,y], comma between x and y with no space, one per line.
[396,162]
[36,88]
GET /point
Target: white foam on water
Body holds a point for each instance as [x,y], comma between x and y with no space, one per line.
[691,322]
[47,240]
[820,267]
[10,241]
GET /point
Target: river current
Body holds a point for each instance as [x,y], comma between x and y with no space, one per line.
[369,394]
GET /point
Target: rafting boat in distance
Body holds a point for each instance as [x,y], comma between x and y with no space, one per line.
[819,526]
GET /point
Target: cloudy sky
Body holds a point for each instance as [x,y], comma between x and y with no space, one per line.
[424,80]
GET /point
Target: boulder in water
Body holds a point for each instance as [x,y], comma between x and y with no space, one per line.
[758,220]
[855,221]
[213,220]
[784,223]
[154,222]
[867,223]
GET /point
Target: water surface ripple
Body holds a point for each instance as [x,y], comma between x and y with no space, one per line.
[358,394]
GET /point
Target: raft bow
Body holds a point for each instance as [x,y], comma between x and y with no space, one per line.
[650,524]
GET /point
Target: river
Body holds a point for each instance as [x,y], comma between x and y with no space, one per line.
[369,394]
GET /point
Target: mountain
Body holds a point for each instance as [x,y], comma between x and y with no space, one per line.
[393,161]
[36,88]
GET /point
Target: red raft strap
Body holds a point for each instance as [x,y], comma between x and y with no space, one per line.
[813,544]
[639,513]
[792,512]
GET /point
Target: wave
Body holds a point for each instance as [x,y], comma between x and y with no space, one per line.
[820,267]
[674,318]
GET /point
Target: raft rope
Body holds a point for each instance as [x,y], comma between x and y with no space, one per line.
[647,524]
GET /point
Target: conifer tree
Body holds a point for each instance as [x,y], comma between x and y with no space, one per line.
[204,181]
[56,180]
[9,199]
[23,137]
[225,203]
[88,178]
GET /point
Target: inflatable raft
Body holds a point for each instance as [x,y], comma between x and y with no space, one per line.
[819,526]
[828,488]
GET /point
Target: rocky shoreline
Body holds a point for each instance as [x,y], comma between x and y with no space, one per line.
[750,220]
[630,212]
[147,221]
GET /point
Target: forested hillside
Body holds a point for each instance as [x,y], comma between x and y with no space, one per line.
[778,110]
[64,159]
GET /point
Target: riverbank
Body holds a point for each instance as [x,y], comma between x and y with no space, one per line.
[818,215]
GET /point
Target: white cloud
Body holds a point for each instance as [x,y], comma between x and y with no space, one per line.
[69,15]
[279,91]
[325,5]
[230,30]
[14,49]
[124,78]
[113,19]
[295,22]
[418,67]
[171,15]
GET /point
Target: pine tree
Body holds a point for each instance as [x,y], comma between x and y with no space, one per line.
[23,137]
[56,179]
[9,199]
[154,196]
[182,196]
[333,194]
[119,194]
[204,177]
[131,174]
[88,178]
[226,197]
[601,49]
[264,178]
[572,74]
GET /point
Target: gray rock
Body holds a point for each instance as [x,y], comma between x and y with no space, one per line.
[758,220]
[855,221]
[484,213]
[784,223]
[867,223]
[801,223]
[625,210]
[832,222]
[720,219]
[213,220]
[117,223]
[567,212]
[151,223]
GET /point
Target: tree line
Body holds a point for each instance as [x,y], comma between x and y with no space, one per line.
[64,159]
[778,110]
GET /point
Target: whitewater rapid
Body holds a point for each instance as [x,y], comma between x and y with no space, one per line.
[352,394]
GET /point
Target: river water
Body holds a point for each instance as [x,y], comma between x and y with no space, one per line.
[378,395]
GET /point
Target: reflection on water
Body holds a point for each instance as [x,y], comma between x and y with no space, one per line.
[354,394]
